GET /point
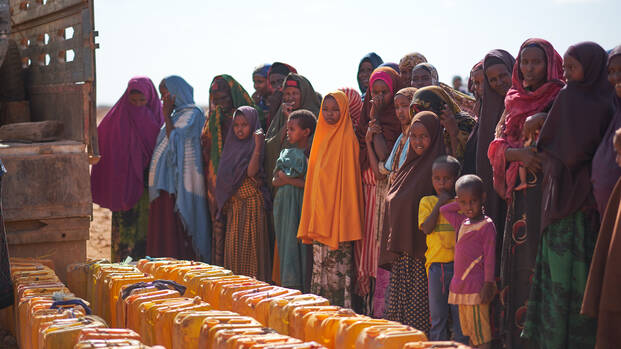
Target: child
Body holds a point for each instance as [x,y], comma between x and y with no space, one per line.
[440,248]
[261,87]
[472,287]
[243,198]
[332,212]
[289,179]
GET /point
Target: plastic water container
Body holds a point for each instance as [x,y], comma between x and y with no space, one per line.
[107,333]
[257,341]
[388,336]
[187,327]
[435,345]
[226,291]
[221,338]
[192,280]
[64,333]
[322,327]
[296,318]
[165,321]
[348,332]
[280,309]
[213,325]
[133,304]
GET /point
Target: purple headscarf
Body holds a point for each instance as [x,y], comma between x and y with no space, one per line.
[235,158]
[127,136]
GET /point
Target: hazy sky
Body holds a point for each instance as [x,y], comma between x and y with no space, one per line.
[325,39]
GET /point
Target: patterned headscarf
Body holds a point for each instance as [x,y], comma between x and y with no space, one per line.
[409,61]
[355,104]
[430,69]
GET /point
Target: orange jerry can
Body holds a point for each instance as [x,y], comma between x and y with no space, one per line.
[225,291]
[322,327]
[435,345]
[142,262]
[388,336]
[260,341]
[107,333]
[208,287]
[187,327]
[215,324]
[192,280]
[64,333]
[296,318]
[165,322]
[280,309]
[349,331]
[257,305]
[41,317]
[222,338]
[149,266]
[121,306]
[161,270]
[112,294]
[133,303]
[78,274]
[109,343]
[305,345]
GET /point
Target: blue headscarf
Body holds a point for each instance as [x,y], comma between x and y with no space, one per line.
[375,61]
[262,70]
[177,166]
[392,65]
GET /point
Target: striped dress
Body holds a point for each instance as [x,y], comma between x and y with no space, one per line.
[366,251]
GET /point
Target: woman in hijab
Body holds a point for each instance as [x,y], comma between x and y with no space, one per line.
[604,176]
[242,196]
[127,137]
[262,88]
[276,76]
[385,171]
[475,86]
[355,104]
[367,65]
[378,111]
[178,224]
[332,209]
[425,74]
[536,81]
[408,301]
[570,221]
[457,124]
[298,93]
[406,64]
[225,96]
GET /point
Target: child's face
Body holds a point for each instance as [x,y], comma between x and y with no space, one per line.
[572,69]
[293,96]
[533,67]
[402,109]
[443,178]
[470,202]
[295,133]
[137,98]
[241,128]
[381,90]
[477,82]
[614,74]
[419,138]
[499,78]
[366,68]
[421,78]
[330,110]
[260,84]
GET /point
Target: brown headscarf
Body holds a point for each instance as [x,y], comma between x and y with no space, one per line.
[413,181]
[571,134]
[391,127]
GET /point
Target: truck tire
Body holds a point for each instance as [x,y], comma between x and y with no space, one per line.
[12,76]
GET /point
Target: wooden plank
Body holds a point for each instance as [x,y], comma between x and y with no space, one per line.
[48,230]
[14,112]
[32,131]
[46,186]
[62,253]
[28,149]
[30,10]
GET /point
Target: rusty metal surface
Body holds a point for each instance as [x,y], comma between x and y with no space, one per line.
[46,185]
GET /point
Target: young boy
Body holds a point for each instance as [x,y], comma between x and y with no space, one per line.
[440,248]
[472,287]
[289,179]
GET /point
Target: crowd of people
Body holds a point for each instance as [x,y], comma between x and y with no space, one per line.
[487,216]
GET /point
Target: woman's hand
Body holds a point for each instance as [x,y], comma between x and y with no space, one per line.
[529,157]
[448,121]
[532,125]
[169,105]
[372,130]
[377,104]
[287,109]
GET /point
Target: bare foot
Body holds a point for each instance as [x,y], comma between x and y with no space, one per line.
[521,186]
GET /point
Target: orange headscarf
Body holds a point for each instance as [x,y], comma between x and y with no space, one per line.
[332,211]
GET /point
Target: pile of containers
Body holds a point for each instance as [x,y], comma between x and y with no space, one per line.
[179,304]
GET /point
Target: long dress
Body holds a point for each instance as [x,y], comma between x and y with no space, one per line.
[287,209]
[6,284]
[246,247]
[129,230]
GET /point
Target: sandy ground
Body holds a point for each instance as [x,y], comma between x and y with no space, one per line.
[99,244]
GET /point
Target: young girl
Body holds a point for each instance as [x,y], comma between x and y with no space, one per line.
[289,179]
[178,224]
[425,74]
[536,81]
[127,136]
[332,212]
[379,108]
[406,64]
[473,284]
[243,198]
[408,302]
[367,64]
[570,221]
[262,89]
[225,96]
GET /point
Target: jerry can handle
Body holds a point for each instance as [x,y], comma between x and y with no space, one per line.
[79,302]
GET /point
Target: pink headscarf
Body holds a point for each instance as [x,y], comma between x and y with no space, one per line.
[381,75]
[127,136]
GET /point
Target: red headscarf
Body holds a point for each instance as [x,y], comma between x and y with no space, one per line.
[519,105]
[355,104]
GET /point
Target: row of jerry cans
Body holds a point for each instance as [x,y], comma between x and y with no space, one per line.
[308,318]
